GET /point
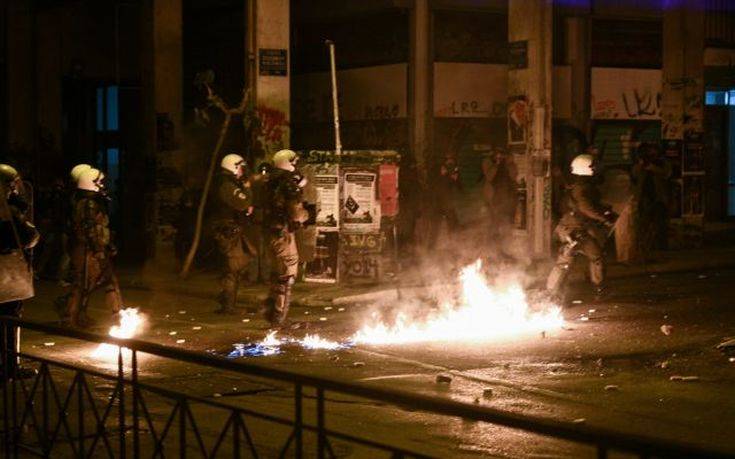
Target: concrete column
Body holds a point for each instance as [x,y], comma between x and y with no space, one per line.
[20,99]
[530,92]
[420,75]
[578,55]
[272,80]
[167,55]
[682,106]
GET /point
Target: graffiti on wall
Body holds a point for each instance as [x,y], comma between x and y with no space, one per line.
[272,129]
[626,94]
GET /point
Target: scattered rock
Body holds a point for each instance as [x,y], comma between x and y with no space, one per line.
[584,318]
[592,311]
[487,393]
[182,312]
[340,309]
[684,378]
[579,421]
[51,343]
[358,364]
[599,362]
[196,328]
[665,364]
[727,345]
[306,313]
[577,302]
[245,321]
[180,341]
[732,359]
[323,319]
[217,395]
[443,379]
[666,329]
[612,388]
[327,308]
[172,333]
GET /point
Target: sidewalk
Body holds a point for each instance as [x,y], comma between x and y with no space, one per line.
[206,285]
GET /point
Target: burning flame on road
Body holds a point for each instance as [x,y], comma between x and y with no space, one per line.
[484,313]
[130,324]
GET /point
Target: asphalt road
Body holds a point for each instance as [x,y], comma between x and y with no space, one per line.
[611,367]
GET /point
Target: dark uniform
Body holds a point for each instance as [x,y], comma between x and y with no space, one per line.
[233,202]
[28,237]
[580,231]
[91,257]
[284,213]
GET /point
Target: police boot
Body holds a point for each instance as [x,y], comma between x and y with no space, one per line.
[556,281]
[226,303]
[281,303]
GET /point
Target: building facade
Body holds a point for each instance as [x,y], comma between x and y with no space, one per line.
[113,83]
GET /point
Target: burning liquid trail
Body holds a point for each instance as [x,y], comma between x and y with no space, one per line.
[484,313]
[130,323]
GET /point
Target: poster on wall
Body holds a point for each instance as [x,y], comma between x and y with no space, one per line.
[518,119]
[326,184]
[323,267]
[360,209]
[388,189]
[693,158]
[692,195]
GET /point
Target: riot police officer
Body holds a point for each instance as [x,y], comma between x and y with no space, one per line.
[233,206]
[92,249]
[583,228]
[17,236]
[284,213]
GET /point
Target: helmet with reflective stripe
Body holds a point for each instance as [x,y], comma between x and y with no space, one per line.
[91,180]
[8,174]
[233,163]
[285,159]
[582,165]
[77,170]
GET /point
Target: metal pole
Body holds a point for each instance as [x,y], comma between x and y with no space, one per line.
[335,100]
[121,399]
[80,412]
[298,422]
[182,428]
[6,380]
[136,398]
[321,435]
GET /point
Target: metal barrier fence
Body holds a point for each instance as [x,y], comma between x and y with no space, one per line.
[39,417]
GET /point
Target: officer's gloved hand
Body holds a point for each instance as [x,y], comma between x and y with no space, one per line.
[610,218]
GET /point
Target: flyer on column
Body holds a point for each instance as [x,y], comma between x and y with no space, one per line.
[360,212]
[326,182]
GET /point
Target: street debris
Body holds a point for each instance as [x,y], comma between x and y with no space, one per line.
[49,344]
[577,302]
[327,308]
[180,341]
[728,345]
[684,378]
[665,364]
[196,328]
[487,393]
[666,329]
[592,311]
[172,333]
[217,395]
[702,276]
[443,379]
[358,364]
[612,388]
[323,319]
[599,362]
[340,309]
[584,318]
[245,321]
[579,421]
[182,312]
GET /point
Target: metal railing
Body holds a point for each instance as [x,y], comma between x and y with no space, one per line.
[40,417]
